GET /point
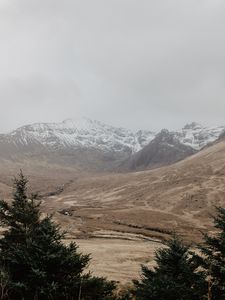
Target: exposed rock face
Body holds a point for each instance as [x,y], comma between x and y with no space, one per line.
[163,150]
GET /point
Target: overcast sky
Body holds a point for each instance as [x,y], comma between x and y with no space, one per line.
[132,63]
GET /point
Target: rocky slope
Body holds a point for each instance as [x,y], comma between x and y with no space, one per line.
[169,147]
[163,150]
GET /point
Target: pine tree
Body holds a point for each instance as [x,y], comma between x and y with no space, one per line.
[212,258]
[38,264]
[174,277]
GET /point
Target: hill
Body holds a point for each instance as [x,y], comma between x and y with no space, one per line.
[149,204]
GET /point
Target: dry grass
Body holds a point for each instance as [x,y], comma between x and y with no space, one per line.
[120,217]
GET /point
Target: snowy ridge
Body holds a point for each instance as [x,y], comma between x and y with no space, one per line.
[81,133]
[198,136]
[86,133]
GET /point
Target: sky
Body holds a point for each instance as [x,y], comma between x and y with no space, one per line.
[140,64]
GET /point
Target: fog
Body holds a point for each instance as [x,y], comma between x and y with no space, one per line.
[137,64]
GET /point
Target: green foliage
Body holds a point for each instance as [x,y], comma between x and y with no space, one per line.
[4,281]
[98,289]
[174,277]
[126,294]
[38,264]
[212,258]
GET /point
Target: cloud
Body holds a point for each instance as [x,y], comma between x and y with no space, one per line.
[146,63]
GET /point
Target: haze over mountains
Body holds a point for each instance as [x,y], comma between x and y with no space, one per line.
[92,145]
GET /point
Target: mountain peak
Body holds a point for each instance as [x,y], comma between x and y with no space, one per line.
[192,126]
[79,123]
[82,132]
[165,136]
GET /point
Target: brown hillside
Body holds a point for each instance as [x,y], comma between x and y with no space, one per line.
[151,203]
[137,209]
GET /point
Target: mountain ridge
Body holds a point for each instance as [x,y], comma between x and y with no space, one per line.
[95,145]
[163,150]
[83,132]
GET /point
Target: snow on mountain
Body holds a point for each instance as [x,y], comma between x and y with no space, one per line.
[169,147]
[198,136]
[82,133]
[165,149]
[90,134]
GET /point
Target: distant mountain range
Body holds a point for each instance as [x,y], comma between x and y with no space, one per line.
[90,144]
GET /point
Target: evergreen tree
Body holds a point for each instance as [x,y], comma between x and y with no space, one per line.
[174,277]
[212,258]
[38,264]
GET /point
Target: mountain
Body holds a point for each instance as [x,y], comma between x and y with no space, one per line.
[82,133]
[169,147]
[87,144]
[163,150]
[82,143]
[197,136]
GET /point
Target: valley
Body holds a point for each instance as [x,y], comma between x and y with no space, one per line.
[122,217]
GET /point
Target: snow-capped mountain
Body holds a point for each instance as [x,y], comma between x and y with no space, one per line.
[81,133]
[169,147]
[79,142]
[163,150]
[198,136]
[87,133]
